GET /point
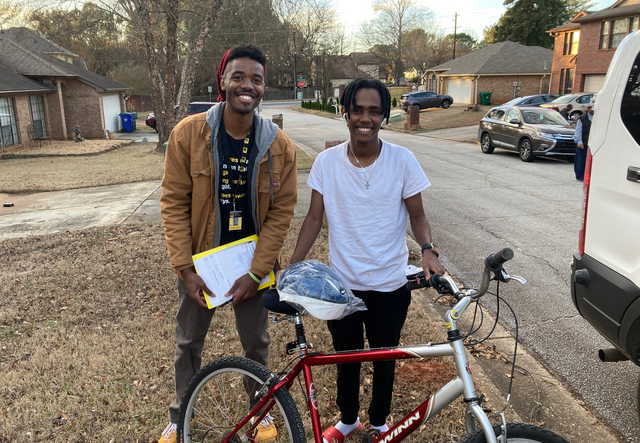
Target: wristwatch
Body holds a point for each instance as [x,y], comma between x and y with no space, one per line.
[432,247]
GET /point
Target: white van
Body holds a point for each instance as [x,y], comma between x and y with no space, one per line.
[605,283]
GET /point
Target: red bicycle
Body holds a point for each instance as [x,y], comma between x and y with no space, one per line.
[227,399]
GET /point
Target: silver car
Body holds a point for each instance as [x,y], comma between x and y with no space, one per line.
[580,102]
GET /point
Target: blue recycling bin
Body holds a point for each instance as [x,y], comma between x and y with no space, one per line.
[127,121]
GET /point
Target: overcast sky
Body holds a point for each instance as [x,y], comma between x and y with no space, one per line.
[473,15]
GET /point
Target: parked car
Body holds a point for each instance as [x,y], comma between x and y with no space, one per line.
[194,108]
[531,100]
[532,132]
[580,102]
[425,99]
[605,274]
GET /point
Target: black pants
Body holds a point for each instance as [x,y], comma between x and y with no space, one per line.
[383,321]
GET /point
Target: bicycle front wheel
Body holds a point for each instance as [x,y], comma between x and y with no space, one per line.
[221,395]
[518,433]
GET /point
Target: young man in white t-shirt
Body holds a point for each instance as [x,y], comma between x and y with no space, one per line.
[368,187]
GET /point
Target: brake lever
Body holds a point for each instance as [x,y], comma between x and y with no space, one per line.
[505,278]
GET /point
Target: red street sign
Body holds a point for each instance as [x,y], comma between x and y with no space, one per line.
[302,84]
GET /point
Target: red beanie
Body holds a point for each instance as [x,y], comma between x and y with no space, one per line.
[222,95]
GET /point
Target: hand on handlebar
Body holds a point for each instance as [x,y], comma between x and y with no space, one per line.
[431,264]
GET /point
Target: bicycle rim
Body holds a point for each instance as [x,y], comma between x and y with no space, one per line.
[219,401]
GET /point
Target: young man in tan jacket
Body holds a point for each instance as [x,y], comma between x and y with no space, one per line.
[228,174]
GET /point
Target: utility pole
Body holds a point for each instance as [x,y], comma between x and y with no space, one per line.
[455,33]
[295,71]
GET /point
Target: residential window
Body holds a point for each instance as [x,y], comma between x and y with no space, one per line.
[8,129]
[562,75]
[629,109]
[620,28]
[604,35]
[633,25]
[571,42]
[37,116]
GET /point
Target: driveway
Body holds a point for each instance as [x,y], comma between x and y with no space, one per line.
[51,212]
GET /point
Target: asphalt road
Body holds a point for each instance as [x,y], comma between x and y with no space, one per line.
[481,203]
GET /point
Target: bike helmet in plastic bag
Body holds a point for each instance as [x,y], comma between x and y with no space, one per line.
[316,289]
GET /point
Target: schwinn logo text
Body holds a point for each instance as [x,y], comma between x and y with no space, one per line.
[397,431]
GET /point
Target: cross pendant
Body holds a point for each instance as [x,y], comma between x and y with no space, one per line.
[367,185]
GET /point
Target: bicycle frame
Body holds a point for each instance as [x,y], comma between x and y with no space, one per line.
[461,385]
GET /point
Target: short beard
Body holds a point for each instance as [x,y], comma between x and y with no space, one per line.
[242,110]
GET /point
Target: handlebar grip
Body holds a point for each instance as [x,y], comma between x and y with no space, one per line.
[424,283]
[495,261]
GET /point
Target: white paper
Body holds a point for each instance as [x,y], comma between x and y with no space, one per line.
[221,269]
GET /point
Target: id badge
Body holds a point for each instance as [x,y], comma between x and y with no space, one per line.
[235,221]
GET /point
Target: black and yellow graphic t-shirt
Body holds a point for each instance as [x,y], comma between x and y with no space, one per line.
[235,184]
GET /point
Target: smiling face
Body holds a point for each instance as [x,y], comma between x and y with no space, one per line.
[243,81]
[365,117]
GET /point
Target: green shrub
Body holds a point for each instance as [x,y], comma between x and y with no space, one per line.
[394,103]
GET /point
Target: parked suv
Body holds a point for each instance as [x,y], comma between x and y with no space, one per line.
[425,99]
[605,280]
[532,132]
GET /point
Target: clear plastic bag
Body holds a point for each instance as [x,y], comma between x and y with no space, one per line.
[316,289]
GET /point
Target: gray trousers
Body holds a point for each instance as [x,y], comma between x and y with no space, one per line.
[191,330]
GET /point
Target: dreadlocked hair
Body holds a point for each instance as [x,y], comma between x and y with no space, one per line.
[349,95]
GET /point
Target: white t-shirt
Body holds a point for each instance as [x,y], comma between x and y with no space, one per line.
[367,227]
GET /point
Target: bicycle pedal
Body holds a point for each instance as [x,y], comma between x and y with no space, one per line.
[371,435]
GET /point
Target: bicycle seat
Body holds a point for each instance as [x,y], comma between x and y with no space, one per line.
[271,301]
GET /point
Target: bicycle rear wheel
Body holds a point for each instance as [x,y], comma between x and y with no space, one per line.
[518,433]
[216,401]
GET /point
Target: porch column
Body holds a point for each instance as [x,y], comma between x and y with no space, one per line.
[61,105]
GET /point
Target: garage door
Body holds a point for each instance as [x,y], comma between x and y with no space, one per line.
[111,109]
[460,89]
[593,83]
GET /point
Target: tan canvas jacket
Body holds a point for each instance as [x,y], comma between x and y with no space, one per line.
[188,204]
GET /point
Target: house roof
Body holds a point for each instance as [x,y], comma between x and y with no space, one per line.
[612,12]
[34,42]
[343,66]
[500,58]
[365,58]
[569,26]
[38,65]
[10,81]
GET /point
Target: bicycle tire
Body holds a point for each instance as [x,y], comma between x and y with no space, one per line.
[229,378]
[517,433]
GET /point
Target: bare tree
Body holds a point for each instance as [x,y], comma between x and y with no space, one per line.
[160,27]
[384,34]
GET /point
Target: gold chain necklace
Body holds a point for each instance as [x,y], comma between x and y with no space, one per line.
[366,181]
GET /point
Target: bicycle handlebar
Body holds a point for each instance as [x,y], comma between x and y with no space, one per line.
[495,261]
[492,262]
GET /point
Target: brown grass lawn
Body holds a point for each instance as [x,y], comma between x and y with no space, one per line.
[437,118]
[86,338]
[130,163]
[127,164]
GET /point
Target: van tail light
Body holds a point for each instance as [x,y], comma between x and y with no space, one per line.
[585,204]
[555,108]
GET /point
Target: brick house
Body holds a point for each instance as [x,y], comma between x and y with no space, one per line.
[500,68]
[49,87]
[585,45]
